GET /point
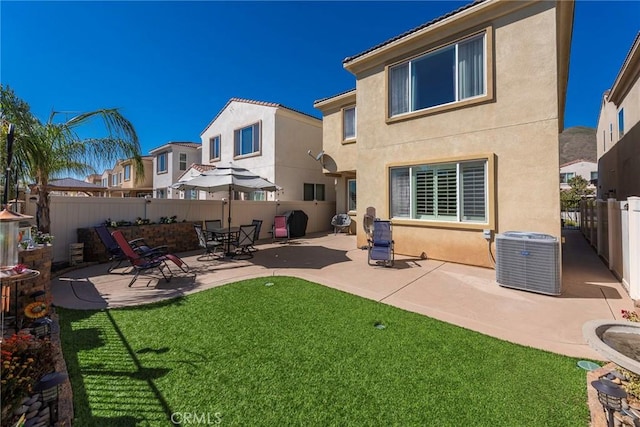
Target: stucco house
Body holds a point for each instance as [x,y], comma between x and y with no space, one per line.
[584,168]
[122,180]
[618,132]
[169,162]
[272,141]
[453,128]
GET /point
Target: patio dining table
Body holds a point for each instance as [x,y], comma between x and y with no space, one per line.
[227,234]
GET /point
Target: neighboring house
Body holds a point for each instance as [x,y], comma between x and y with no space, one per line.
[122,180]
[169,162]
[272,141]
[456,128]
[618,133]
[584,168]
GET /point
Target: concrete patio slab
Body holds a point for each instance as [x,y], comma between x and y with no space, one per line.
[462,295]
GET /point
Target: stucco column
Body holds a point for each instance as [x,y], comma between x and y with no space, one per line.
[634,247]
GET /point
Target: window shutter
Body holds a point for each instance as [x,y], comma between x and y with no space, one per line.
[424,193]
[446,191]
[473,192]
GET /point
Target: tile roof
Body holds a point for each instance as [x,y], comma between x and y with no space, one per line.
[334,96]
[197,166]
[187,144]
[254,102]
[406,33]
[73,183]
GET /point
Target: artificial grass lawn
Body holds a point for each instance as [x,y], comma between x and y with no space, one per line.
[297,353]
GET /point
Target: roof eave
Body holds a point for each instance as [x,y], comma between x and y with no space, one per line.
[629,73]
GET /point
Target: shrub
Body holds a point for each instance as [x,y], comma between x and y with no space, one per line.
[25,359]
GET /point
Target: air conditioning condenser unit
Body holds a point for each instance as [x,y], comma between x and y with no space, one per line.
[528,261]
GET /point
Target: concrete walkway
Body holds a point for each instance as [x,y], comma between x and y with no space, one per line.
[462,295]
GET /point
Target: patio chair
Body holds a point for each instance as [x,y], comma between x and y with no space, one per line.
[143,263]
[280,227]
[208,244]
[116,256]
[246,238]
[258,224]
[212,224]
[340,222]
[380,247]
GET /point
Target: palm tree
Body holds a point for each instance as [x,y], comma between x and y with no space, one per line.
[47,150]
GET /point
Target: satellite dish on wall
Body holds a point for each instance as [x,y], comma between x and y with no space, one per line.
[318,157]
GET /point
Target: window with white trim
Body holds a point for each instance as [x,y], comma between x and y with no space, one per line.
[214,148]
[454,192]
[450,74]
[349,123]
[182,161]
[246,140]
[566,176]
[161,166]
[127,172]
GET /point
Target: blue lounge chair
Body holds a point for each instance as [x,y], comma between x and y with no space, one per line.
[381,244]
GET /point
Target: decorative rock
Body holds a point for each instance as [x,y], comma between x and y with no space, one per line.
[21,410]
[35,406]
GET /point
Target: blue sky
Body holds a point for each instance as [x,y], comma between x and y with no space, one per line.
[171,66]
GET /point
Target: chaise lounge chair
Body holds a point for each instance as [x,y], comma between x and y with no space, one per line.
[381,244]
[143,263]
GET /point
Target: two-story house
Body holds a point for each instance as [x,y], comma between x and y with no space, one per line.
[170,161]
[618,133]
[125,181]
[582,168]
[456,129]
[272,141]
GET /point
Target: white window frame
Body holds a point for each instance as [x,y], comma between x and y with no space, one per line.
[349,134]
[127,172]
[457,96]
[431,200]
[620,123]
[164,156]
[213,142]
[256,140]
[182,161]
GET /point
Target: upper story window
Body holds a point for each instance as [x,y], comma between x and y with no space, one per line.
[349,123]
[621,123]
[214,148]
[127,172]
[454,192]
[183,161]
[105,182]
[446,75]
[611,131]
[161,166]
[246,140]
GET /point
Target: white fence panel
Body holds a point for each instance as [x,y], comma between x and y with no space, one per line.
[70,213]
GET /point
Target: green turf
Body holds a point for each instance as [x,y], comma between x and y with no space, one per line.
[296,353]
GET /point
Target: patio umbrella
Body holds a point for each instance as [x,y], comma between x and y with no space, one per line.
[231,178]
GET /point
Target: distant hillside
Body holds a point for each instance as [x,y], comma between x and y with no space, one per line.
[578,143]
